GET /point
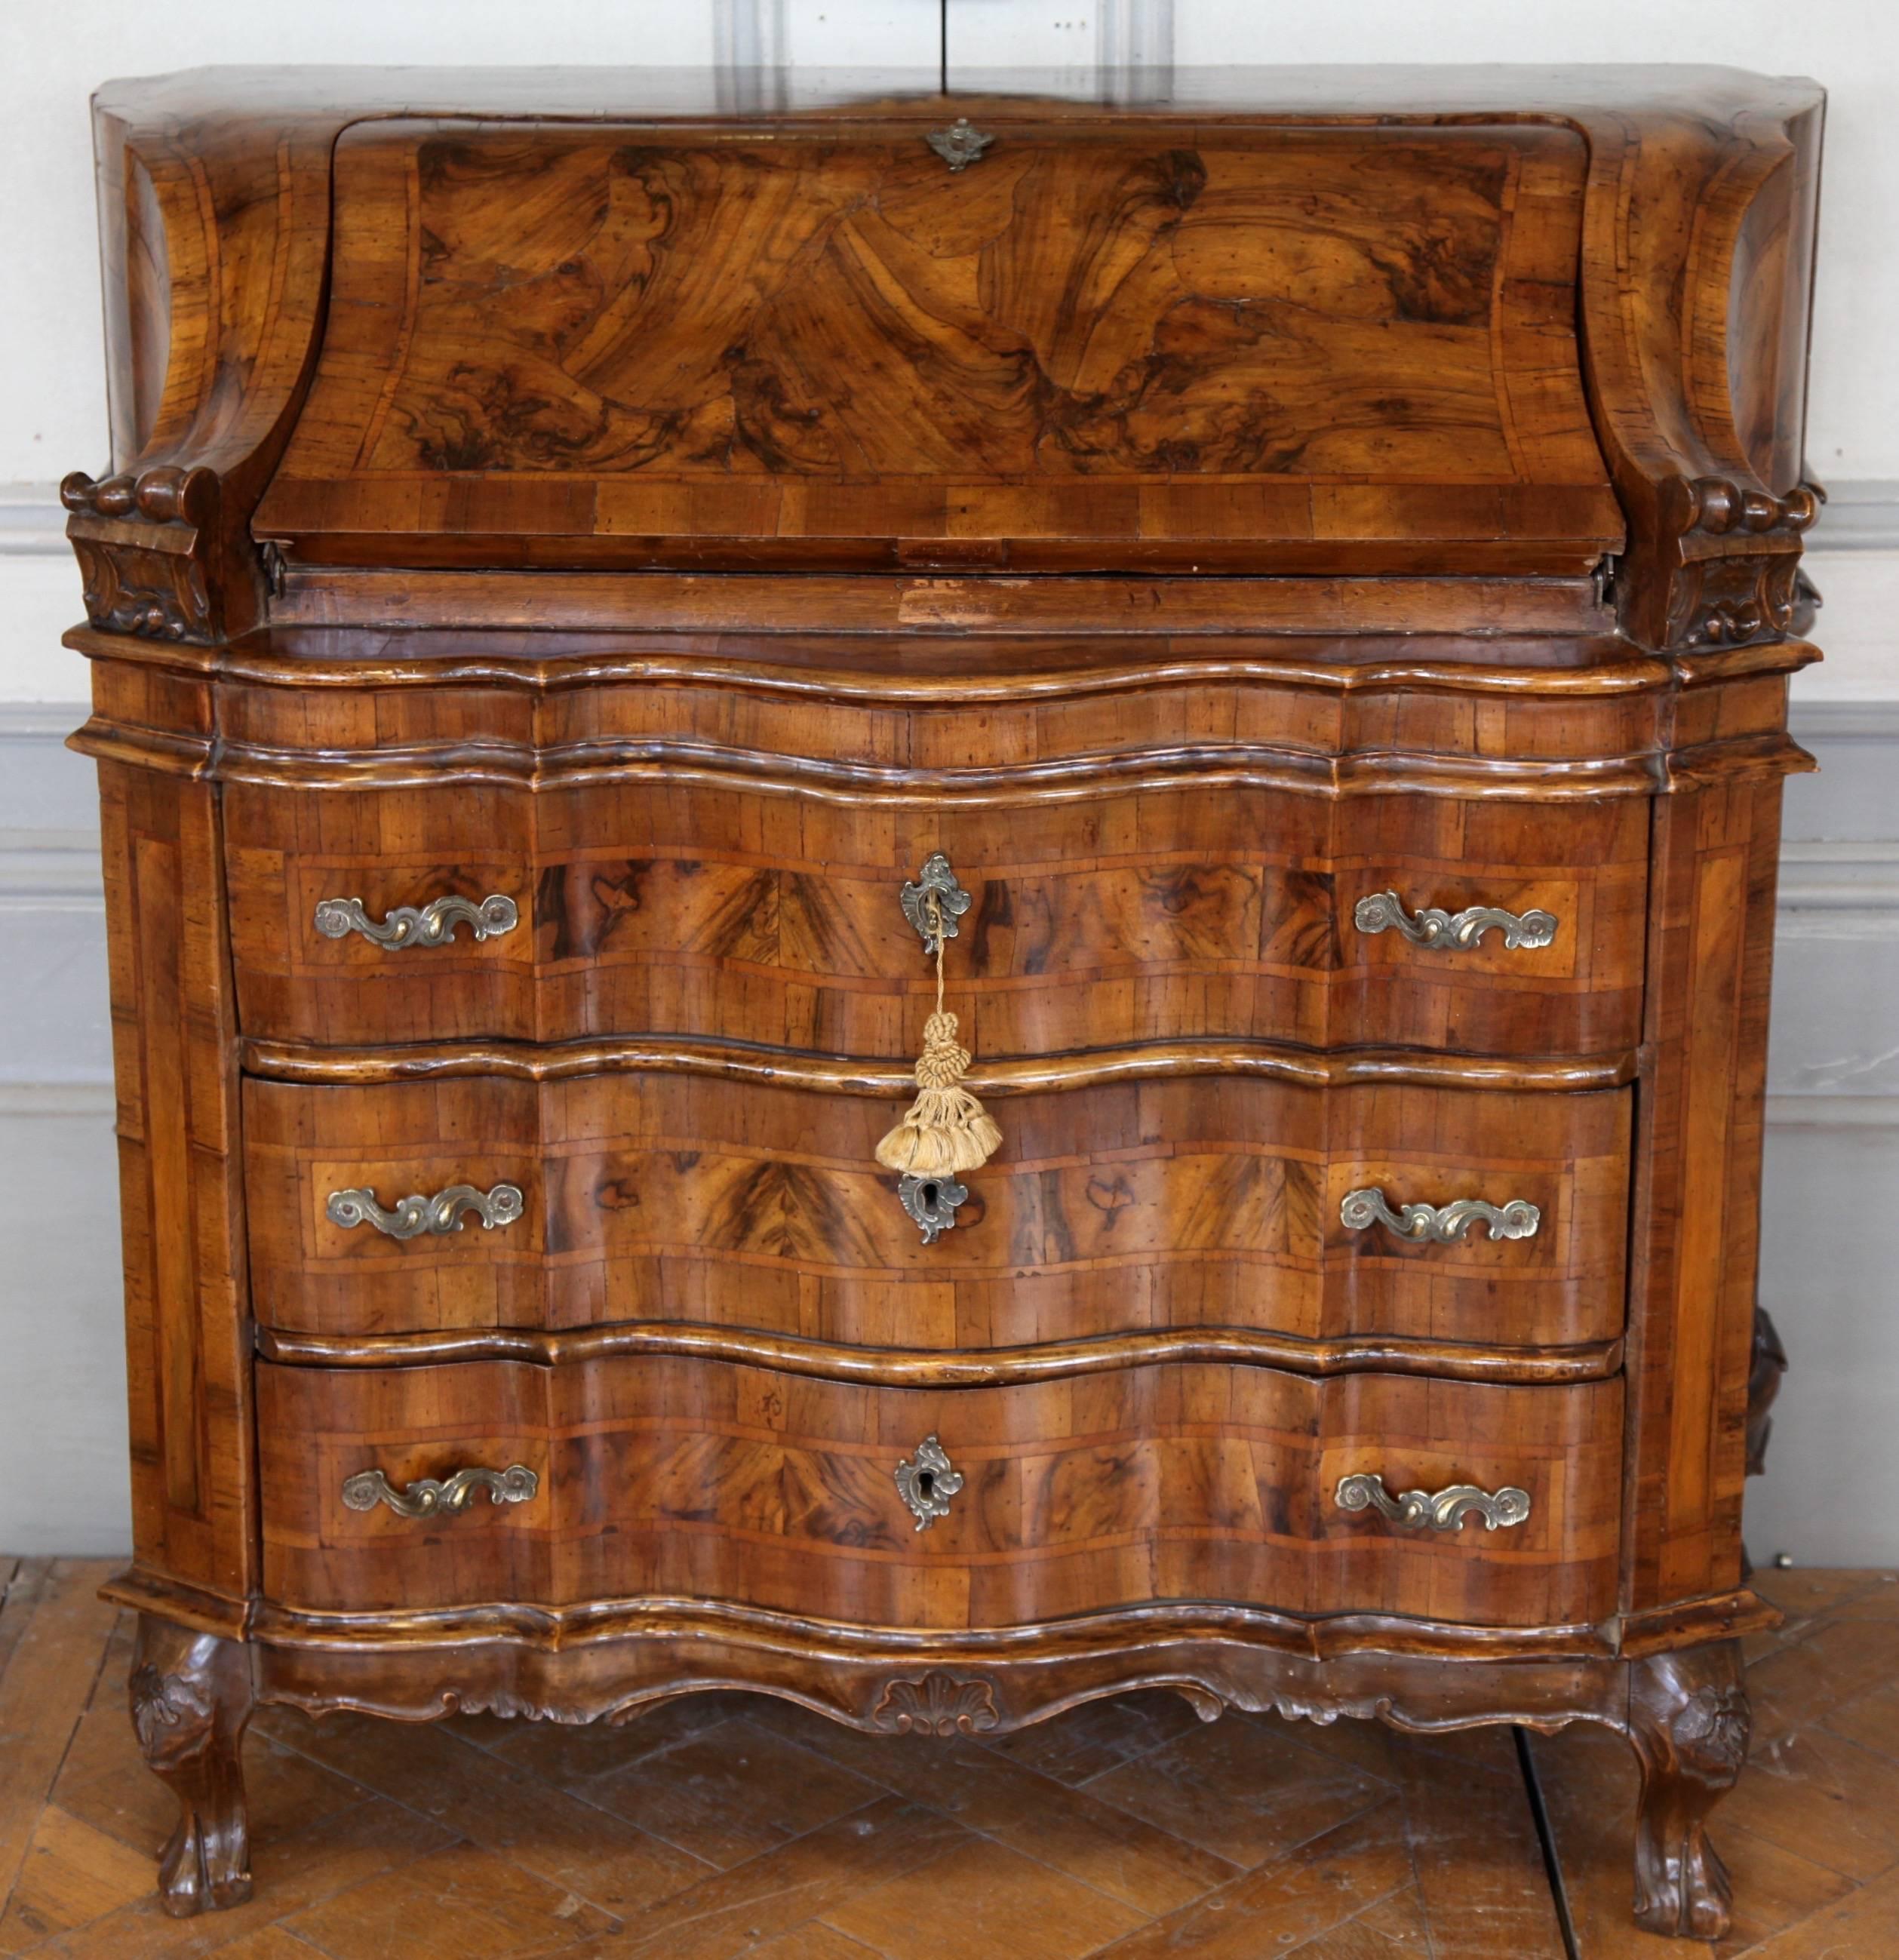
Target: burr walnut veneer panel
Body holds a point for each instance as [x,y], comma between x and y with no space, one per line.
[1204,1202]
[1153,345]
[678,1478]
[1106,917]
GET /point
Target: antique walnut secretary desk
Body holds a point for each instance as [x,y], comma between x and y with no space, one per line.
[1279,601]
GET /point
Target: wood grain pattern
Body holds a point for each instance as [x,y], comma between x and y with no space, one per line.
[1123,918]
[1193,1204]
[191,1699]
[681,1478]
[322,1065]
[214,238]
[942,603]
[934,1367]
[1717,862]
[785,656]
[760,349]
[1696,227]
[186,1294]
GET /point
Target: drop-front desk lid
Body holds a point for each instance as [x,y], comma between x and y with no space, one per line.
[1081,339]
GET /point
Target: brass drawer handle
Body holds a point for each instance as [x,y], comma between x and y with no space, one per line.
[1444,1224]
[1442,1511]
[928,1483]
[415,1215]
[431,925]
[1459,931]
[430,1496]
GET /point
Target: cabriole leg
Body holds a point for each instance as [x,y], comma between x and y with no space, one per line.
[191,1699]
[1688,1723]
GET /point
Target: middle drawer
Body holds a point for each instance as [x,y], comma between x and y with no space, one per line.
[1199,1201]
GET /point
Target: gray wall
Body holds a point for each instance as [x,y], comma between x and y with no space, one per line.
[62,1372]
[1833,1150]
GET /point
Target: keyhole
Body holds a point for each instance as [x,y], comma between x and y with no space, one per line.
[927,1485]
[930,1197]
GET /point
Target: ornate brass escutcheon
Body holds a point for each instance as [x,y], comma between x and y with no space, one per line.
[959,145]
[927,1482]
[931,1201]
[934,903]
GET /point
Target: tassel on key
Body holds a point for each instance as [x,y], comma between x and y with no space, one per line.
[945,1129]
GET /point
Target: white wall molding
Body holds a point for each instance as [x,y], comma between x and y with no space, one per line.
[1831,886]
[95,1099]
[1859,516]
[1833,1112]
[1873,720]
[39,721]
[1833,890]
[50,871]
[32,524]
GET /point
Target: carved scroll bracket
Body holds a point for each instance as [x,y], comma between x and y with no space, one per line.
[143,544]
[1732,552]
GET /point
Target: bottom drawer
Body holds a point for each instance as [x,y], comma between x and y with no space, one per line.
[687,1478]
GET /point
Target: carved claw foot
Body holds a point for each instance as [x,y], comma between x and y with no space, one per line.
[1688,1723]
[191,1699]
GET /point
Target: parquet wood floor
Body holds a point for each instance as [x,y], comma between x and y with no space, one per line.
[732,1825]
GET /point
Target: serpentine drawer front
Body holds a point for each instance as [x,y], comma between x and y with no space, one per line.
[656,1476]
[945,904]
[1108,916]
[1110,1209]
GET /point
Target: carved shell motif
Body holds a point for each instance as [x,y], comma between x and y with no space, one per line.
[939,1704]
[1712,1731]
[163,1702]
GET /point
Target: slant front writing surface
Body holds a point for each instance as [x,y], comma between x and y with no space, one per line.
[1097,346]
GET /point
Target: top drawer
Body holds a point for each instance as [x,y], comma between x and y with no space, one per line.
[1109,343]
[1216,913]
